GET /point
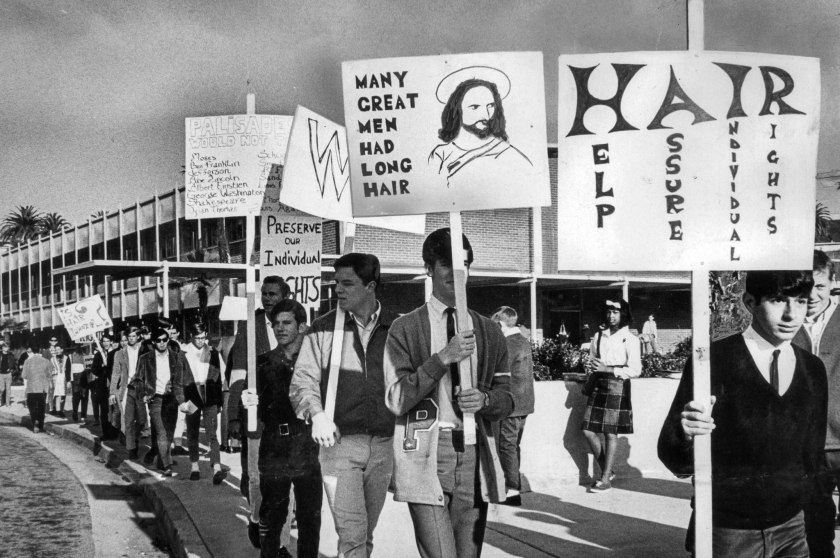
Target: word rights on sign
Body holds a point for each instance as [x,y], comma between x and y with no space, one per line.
[678,161]
[290,247]
[229,160]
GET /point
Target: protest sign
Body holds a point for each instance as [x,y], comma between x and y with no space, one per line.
[85,317]
[316,175]
[290,246]
[680,160]
[446,133]
[228,161]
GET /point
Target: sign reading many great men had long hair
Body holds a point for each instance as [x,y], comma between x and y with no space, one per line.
[680,160]
[229,160]
[446,133]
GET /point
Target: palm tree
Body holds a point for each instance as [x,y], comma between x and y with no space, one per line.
[21,225]
[52,223]
[822,232]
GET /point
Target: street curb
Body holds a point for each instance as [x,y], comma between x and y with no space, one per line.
[181,533]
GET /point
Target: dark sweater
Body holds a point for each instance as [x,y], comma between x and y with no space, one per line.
[766,448]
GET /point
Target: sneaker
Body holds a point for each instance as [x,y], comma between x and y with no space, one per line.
[601,486]
[219,476]
[195,475]
[254,533]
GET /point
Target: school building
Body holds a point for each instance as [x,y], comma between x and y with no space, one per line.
[146,260]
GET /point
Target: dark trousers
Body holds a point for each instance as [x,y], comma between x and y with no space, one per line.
[820,511]
[210,415]
[457,527]
[135,418]
[80,398]
[37,405]
[510,436]
[286,461]
[164,413]
[275,507]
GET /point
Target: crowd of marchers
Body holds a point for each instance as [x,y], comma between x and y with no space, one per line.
[403,419]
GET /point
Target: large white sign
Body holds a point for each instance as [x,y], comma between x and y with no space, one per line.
[228,162]
[446,133]
[290,246]
[680,160]
[85,317]
[316,176]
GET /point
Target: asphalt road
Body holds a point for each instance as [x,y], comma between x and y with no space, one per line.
[57,499]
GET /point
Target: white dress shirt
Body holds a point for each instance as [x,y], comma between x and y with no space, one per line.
[762,354]
[437,321]
[162,374]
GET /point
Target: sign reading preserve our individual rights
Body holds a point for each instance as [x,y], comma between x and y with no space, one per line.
[316,176]
[85,317]
[680,160]
[290,246]
[228,162]
[446,133]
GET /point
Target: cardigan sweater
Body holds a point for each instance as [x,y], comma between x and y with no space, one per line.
[767,448]
[411,379]
[830,355]
[360,394]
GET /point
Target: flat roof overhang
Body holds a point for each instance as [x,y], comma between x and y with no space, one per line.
[120,269]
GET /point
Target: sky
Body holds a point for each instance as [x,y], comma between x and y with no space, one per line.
[93,94]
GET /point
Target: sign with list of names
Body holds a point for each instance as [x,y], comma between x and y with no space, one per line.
[228,162]
[686,160]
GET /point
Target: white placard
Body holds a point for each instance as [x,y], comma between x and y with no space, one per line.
[85,317]
[446,133]
[228,162]
[316,176]
[290,246]
[681,160]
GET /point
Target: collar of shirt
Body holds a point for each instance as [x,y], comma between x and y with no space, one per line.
[622,333]
[437,308]
[373,317]
[823,316]
[509,332]
[272,339]
[761,352]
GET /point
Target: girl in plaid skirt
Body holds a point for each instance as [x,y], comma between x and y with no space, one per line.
[616,357]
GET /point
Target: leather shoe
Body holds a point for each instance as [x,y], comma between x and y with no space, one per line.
[254,533]
[132,454]
[195,475]
[180,450]
[515,500]
[219,476]
[149,458]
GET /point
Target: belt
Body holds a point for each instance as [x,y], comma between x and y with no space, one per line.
[293,428]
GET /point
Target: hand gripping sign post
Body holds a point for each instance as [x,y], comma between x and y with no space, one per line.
[316,180]
[447,133]
[228,162]
[707,160]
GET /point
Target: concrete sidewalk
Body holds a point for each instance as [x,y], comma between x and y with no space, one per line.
[641,517]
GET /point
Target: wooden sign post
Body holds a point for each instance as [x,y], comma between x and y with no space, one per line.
[456,233]
[701,342]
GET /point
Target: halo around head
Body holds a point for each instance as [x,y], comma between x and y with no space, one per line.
[448,84]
